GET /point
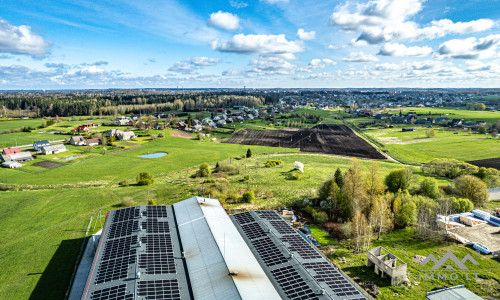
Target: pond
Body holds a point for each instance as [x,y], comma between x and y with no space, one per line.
[153,155]
[72,157]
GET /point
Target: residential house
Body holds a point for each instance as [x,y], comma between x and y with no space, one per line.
[182,125]
[81,128]
[397,120]
[481,123]
[221,123]
[77,140]
[38,145]
[126,135]
[93,142]
[114,132]
[54,149]
[10,150]
[17,157]
[458,292]
[197,127]
[123,121]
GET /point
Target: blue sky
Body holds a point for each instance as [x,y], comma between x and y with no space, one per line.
[261,44]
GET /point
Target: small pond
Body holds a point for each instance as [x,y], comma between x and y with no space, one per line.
[72,157]
[153,155]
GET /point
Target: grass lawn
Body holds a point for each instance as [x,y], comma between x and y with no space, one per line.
[27,138]
[452,113]
[6,124]
[415,147]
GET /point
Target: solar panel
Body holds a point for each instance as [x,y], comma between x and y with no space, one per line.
[282,227]
[244,218]
[268,214]
[155,211]
[119,247]
[126,214]
[253,230]
[300,245]
[328,274]
[159,257]
[123,228]
[114,269]
[269,252]
[293,284]
[117,292]
[159,289]
[154,226]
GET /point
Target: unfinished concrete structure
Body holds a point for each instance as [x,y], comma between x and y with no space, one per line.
[386,263]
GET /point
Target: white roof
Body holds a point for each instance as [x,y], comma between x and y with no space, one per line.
[54,147]
[213,248]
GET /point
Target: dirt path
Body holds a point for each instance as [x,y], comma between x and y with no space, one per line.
[125,150]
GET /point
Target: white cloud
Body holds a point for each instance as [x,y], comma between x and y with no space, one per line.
[318,64]
[238,4]
[224,20]
[231,72]
[259,44]
[203,61]
[402,50]
[275,1]
[91,70]
[386,20]
[360,57]
[471,48]
[306,36]
[21,40]
[332,47]
[271,65]
[182,67]
[388,67]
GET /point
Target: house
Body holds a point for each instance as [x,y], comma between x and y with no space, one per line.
[182,125]
[93,142]
[114,132]
[385,263]
[442,119]
[54,149]
[458,292]
[81,128]
[123,121]
[421,121]
[11,150]
[397,120]
[481,123]
[77,140]
[197,127]
[126,135]
[456,122]
[17,157]
[38,145]
[221,123]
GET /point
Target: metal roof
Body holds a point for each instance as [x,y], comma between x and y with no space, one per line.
[459,292]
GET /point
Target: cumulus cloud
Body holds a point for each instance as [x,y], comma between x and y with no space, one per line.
[271,65]
[231,72]
[275,1]
[306,36]
[332,47]
[402,50]
[182,67]
[388,67]
[90,70]
[224,20]
[56,66]
[382,21]
[259,44]
[97,63]
[21,40]
[203,61]
[189,65]
[360,57]
[318,64]
[471,48]
[238,4]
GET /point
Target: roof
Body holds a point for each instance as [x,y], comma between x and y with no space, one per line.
[96,140]
[17,156]
[11,150]
[451,293]
[42,142]
[78,138]
[53,147]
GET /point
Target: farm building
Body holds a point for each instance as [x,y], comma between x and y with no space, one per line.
[77,140]
[458,292]
[194,250]
[93,142]
[11,164]
[126,135]
[17,157]
[38,145]
[54,149]
[11,150]
[113,132]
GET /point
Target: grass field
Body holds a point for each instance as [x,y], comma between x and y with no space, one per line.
[415,147]
[404,245]
[27,138]
[452,113]
[6,124]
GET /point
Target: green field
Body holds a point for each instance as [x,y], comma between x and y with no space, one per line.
[27,138]
[6,124]
[415,147]
[452,113]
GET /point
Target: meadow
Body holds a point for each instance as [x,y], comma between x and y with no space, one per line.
[8,124]
[490,117]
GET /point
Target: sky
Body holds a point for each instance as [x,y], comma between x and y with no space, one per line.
[51,44]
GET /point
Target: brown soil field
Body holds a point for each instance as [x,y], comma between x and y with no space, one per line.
[328,139]
[47,164]
[487,163]
[181,134]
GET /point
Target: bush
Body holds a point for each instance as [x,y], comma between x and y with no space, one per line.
[400,179]
[320,217]
[248,197]
[273,163]
[145,178]
[346,229]
[127,202]
[153,136]
[472,188]
[151,202]
[204,170]
[450,168]
[124,183]
[293,176]
[209,180]
[246,177]
[429,188]
[461,205]
[406,215]
[161,134]
[430,133]
[249,153]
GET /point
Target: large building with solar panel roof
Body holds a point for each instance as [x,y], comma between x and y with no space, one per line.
[194,250]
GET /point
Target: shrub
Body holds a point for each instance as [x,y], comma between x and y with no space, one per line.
[161,134]
[430,133]
[209,180]
[320,217]
[153,136]
[204,170]
[429,188]
[293,176]
[400,179]
[461,205]
[249,153]
[473,188]
[145,178]
[124,183]
[248,197]
[450,168]
[273,163]
[127,202]
[406,215]
[246,177]
[151,202]
[346,229]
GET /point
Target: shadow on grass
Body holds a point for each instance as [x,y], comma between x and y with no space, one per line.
[367,274]
[55,279]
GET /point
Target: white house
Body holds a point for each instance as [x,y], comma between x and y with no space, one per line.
[54,149]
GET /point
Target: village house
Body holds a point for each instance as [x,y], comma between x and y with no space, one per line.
[77,140]
[114,132]
[17,157]
[126,135]
[38,145]
[10,150]
[93,142]
[54,149]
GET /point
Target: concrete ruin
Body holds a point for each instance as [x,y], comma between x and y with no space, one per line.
[387,264]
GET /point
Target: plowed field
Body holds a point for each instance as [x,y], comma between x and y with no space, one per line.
[328,139]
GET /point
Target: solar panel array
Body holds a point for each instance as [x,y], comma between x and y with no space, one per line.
[117,292]
[159,289]
[300,276]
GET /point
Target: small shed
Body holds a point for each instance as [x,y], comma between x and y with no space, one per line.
[11,164]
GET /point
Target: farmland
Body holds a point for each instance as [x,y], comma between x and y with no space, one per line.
[328,139]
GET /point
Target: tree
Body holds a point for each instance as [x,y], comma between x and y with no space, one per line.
[406,215]
[430,133]
[161,134]
[461,205]
[374,184]
[482,173]
[145,178]
[249,153]
[429,188]
[204,170]
[472,188]
[400,179]
[479,106]
[339,178]
[353,186]
[358,226]
[382,214]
